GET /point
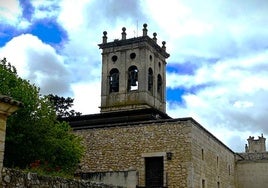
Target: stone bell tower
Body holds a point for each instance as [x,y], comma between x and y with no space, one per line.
[133,73]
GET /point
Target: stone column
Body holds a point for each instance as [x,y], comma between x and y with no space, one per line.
[7,107]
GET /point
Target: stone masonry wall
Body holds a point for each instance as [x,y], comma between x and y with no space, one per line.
[251,169]
[213,163]
[2,138]
[14,178]
[254,156]
[252,173]
[125,148]
[7,107]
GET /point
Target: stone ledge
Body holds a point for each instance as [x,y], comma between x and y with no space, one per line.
[9,100]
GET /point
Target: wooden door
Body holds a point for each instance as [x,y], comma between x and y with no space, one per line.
[154,172]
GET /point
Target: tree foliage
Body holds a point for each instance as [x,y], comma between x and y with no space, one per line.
[33,132]
[62,106]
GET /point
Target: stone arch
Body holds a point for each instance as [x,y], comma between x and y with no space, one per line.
[133,78]
[150,80]
[114,80]
[160,85]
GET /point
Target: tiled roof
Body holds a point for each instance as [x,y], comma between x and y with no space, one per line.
[114,118]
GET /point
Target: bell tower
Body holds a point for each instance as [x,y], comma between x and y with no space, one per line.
[133,73]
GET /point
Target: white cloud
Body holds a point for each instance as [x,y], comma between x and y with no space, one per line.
[10,11]
[211,29]
[87,97]
[11,14]
[39,63]
[45,9]
[77,18]
[230,96]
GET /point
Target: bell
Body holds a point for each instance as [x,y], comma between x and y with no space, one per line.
[114,84]
[133,78]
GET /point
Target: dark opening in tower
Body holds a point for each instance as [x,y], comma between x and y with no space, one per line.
[114,80]
[159,86]
[132,78]
[150,80]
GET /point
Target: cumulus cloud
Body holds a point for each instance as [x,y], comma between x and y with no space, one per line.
[211,29]
[230,94]
[39,63]
[10,12]
[45,9]
[87,97]
[11,15]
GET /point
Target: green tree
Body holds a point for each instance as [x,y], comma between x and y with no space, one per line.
[62,106]
[33,132]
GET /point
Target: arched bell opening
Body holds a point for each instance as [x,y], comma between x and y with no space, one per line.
[132,78]
[114,80]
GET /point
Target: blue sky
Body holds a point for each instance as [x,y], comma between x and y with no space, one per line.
[217,72]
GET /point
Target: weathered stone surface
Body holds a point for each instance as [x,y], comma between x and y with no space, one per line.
[126,147]
[7,107]
[252,173]
[14,178]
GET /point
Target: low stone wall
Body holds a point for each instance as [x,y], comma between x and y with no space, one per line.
[127,179]
[12,178]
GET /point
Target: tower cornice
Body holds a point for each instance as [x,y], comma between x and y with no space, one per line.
[147,39]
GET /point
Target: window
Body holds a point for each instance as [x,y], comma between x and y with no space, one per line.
[202,154]
[133,78]
[159,85]
[114,80]
[218,184]
[132,56]
[114,58]
[150,80]
[203,183]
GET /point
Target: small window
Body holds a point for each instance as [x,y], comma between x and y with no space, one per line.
[159,65]
[114,58]
[114,80]
[132,56]
[133,78]
[202,154]
[217,161]
[150,80]
[218,184]
[151,57]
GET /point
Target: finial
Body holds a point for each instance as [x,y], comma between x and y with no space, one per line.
[104,38]
[163,45]
[124,35]
[144,30]
[154,38]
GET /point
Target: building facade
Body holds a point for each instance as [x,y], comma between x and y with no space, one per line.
[134,143]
